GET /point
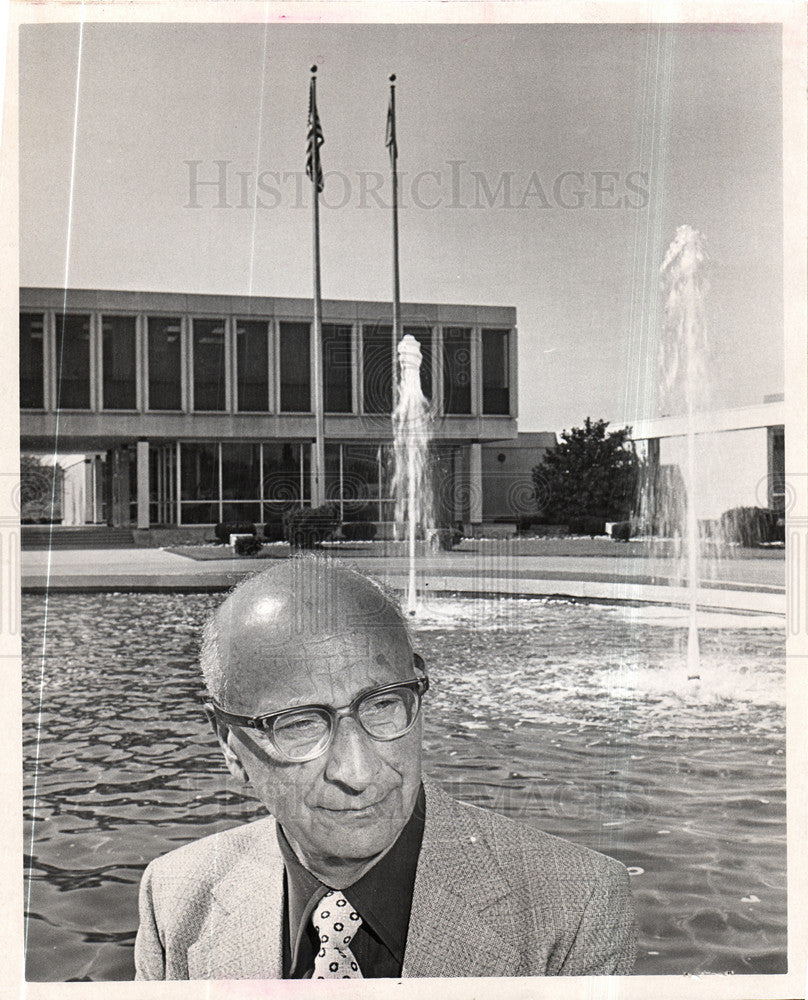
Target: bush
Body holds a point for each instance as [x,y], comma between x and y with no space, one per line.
[225,529]
[621,531]
[586,525]
[247,546]
[447,538]
[305,527]
[273,531]
[359,531]
[590,471]
[356,510]
[750,526]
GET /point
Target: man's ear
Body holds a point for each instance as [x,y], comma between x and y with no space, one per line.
[223,734]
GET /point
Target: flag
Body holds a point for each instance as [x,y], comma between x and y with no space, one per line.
[390,135]
[314,139]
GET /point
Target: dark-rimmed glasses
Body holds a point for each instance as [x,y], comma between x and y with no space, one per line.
[300,734]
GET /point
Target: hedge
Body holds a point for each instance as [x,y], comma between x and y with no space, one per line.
[587,526]
[621,531]
[305,527]
[750,526]
[225,529]
[358,531]
[247,546]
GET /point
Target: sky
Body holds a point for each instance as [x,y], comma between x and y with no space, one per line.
[545,167]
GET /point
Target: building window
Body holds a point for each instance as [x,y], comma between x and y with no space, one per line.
[456,370]
[222,482]
[361,476]
[286,483]
[252,379]
[358,481]
[165,363]
[423,335]
[333,477]
[496,376]
[73,362]
[199,483]
[209,371]
[295,367]
[32,361]
[118,364]
[241,482]
[163,483]
[337,381]
[777,470]
[377,369]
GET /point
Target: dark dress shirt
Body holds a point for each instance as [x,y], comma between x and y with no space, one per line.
[382,897]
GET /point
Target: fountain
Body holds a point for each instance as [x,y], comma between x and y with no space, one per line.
[683,387]
[411,482]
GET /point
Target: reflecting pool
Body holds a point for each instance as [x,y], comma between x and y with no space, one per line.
[576,718]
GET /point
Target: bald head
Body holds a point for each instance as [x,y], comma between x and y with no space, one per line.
[295,628]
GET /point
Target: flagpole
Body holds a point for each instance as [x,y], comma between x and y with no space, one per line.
[392,145]
[318,484]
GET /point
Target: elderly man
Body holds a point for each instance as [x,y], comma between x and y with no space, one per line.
[363,868]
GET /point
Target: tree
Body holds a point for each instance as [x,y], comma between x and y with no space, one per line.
[589,473]
[40,491]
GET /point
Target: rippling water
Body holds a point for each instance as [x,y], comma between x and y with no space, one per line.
[578,719]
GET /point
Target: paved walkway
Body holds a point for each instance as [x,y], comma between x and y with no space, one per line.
[749,585]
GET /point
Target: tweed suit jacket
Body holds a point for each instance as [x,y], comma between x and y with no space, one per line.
[492,897]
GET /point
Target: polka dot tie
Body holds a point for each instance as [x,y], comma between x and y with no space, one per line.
[335,923]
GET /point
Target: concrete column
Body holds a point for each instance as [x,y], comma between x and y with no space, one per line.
[458,473]
[652,446]
[438,394]
[121,486]
[143,484]
[99,472]
[312,477]
[475,483]
[476,369]
[89,491]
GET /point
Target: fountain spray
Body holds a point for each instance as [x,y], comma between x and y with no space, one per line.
[411,427]
[683,379]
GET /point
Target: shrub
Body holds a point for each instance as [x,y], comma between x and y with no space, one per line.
[447,538]
[273,531]
[750,526]
[247,546]
[586,525]
[359,531]
[305,527]
[542,530]
[225,529]
[621,531]
[356,510]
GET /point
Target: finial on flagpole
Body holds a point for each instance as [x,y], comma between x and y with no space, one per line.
[392,78]
[314,69]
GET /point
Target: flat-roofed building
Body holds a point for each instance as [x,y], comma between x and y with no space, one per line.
[197,409]
[740,455]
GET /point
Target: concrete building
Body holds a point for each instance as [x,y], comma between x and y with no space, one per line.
[196,409]
[507,471]
[740,455]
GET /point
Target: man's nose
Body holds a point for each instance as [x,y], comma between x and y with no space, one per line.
[352,759]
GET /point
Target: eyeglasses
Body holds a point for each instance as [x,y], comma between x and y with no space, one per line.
[301,734]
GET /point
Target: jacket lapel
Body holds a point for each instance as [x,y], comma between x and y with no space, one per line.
[242,939]
[456,891]
[452,932]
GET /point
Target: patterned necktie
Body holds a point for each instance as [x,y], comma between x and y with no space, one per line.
[335,923]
